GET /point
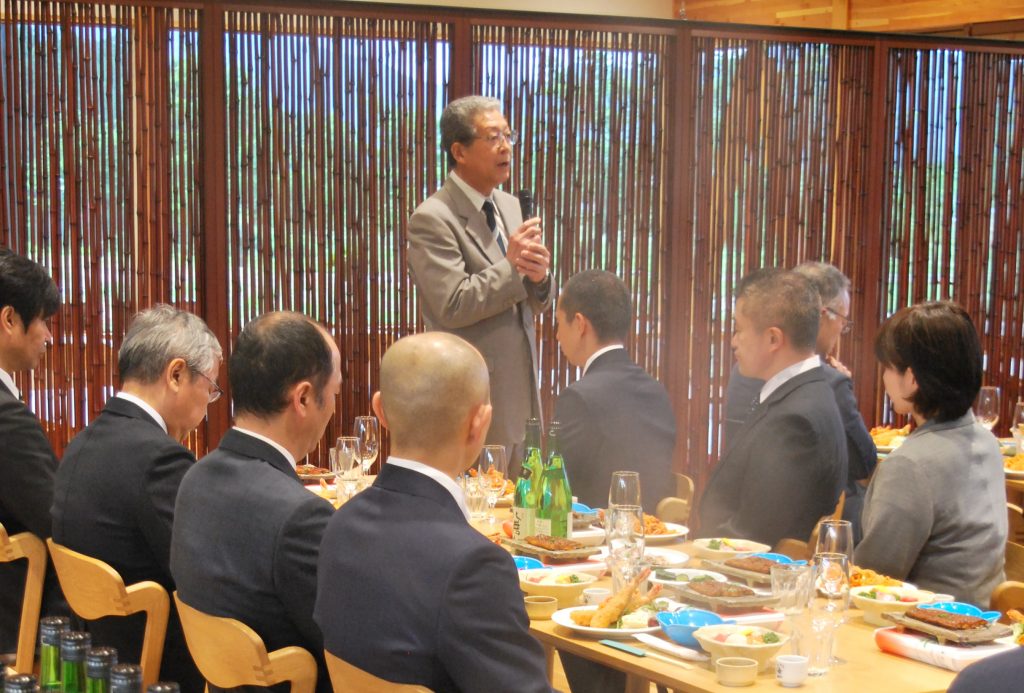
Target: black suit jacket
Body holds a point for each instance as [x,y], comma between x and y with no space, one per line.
[245,543]
[785,469]
[27,468]
[617,417]
[114,500]
[410,592]
[862,456]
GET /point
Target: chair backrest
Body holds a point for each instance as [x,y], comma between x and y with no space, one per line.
[346,678]
[677,508]
[1007,595]
[684,487]
[94,590]
[30,547]
[804,550]
[1014,566]
[230,653]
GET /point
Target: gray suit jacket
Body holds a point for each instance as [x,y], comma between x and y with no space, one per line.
[468,288]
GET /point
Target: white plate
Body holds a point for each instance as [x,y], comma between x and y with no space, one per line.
[692,572]
[562,618]
[668,558]
[1012,474]
[740,547]
[504,501]
[589,537]
[676,533]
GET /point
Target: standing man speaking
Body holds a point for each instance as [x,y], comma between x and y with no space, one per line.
[480,269]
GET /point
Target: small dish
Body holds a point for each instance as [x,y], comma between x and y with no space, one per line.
[539,607]
[680,626]
[722,548]
[875,600]
[736,671]
[565,586]
[724,641]
[527,563]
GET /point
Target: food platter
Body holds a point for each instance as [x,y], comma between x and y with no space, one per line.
[752,577]
[548,556]
[563,618]
[317,477]
[944,635]
[675,533]
[734,548]
[753,600]
[690,573]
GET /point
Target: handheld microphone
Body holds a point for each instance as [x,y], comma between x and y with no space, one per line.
[526,204]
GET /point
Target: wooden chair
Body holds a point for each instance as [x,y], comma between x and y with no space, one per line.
[1015,522]
[230,653]
[1014,566]
[677,508]
[346,678]
[804,550]
[30,547]
[94,590]
[1008,595]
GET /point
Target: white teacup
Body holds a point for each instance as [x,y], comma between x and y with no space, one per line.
[596,595]
[791,670]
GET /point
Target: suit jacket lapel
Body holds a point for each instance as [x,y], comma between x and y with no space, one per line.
[248,446]
[402,480]
[122,407]
[474,222]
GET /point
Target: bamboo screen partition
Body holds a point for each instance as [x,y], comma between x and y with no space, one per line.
[232,159]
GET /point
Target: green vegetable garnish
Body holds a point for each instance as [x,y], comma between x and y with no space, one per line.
[714,544]
[574,579]
[770,637]
[701,578]
[664,575]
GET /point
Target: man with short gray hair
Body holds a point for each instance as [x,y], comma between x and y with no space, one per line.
[481,270]
[116,486]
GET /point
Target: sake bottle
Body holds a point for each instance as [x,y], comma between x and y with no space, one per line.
[98,662]
[21,683]
[73,646]
[554,513]
[163,687]
[126,678]
[524,505]
[50,629]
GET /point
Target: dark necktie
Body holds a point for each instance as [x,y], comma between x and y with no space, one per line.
[492,224]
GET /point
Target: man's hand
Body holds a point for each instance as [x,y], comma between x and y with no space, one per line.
[527,252]
[837,364]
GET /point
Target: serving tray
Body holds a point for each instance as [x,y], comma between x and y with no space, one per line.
[524,549]
[750,601]
[944,635]
[750,576]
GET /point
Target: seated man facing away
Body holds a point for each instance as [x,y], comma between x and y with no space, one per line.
[408,591]
[787,465]
[616,416]
[246,532]
[116,486]
[834,290]
[28,297]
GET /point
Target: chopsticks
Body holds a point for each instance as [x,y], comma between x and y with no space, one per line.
[637,652]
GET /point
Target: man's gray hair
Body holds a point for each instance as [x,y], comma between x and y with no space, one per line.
[828,281]
[457,121]
[161,334]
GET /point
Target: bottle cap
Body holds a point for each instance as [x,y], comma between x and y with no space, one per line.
[50,629]
[21,683]
[163,687]
[126,675]
[73,645]
[98,661]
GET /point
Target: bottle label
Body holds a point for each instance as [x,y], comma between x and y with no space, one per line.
[522,523]
[542,526]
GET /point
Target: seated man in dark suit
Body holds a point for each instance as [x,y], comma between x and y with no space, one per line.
[246,531]
[616,416]
[787,465]
[834,290]
[408,591]
[116,486]
[28,297]
[1001,673]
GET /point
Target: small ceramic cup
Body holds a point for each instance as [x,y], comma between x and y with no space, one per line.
[595,595]
[736,671]
[540,608]
[791,670]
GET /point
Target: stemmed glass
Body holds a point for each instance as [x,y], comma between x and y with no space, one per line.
[986,409]
[832,581]
[346,466]
[491,472]
[624,531]
[835,536]
[368,433]
[1017,425]
[624,489]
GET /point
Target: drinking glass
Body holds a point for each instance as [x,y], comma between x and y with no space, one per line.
[986,409]
[368,432]
[835,536]
[832,582]
[793,586]
[346,466]
[624,531]
[1017,425]
[624,489]
[491,473]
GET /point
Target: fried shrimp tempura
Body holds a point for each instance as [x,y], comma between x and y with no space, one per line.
[611,609]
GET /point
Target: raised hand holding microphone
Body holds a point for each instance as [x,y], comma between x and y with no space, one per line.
[526,249]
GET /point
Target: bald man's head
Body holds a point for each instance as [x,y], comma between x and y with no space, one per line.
[429,385]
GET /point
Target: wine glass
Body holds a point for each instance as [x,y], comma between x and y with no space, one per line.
[835,536]
[624,489]
[986,408]
[624,531]
[832,582]
[346,466]
[1017,425]
[491,473]
[368,432]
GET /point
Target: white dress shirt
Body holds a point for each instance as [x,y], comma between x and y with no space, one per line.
[144,405]
[788,373]
[477,200]
[602,350]
[8,381]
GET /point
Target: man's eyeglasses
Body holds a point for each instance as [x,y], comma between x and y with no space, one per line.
[496,138]
[215,391]
[847,323]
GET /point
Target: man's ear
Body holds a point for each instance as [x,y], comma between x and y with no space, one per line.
[302,396]
[174,374]
[480,423]
[378,409]
[9,319]
[775,337]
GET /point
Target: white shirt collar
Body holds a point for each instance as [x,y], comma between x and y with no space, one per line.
[7,380]
[602,350]
[273,443]
[475,198]
[788,373]
[437,475]
[144,406]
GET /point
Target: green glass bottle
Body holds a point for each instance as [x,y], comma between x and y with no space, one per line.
[73,646]
[163,687]
[21,683]
[554,513]
[524,506]
[98,661]
[126,678]
[50,629]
